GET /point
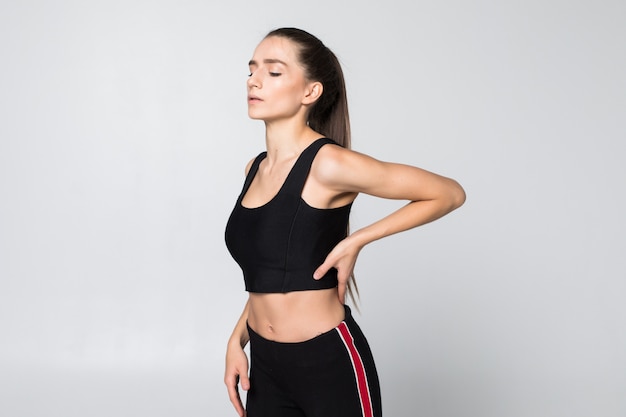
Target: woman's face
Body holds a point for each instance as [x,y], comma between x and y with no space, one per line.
[277,88]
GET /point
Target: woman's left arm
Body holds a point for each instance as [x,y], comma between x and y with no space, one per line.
[430,197]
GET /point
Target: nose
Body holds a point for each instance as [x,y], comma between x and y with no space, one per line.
[253,81]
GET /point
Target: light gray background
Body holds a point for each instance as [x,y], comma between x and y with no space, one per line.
[124,137]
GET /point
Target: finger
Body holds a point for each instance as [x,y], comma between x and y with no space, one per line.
[321,271]
[233,394]
[341,292]
[235,399]
[245,382]
[238,405]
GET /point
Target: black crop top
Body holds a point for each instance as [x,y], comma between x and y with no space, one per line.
[281,243]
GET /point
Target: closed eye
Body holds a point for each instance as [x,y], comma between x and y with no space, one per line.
[275,74]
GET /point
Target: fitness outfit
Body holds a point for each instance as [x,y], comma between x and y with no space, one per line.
[278,247]
[280,244]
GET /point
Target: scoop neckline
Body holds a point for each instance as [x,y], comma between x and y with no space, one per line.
[289,174]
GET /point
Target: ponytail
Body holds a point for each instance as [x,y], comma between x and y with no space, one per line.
[329,115]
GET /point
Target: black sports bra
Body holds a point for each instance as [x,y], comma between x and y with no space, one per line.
[281,243]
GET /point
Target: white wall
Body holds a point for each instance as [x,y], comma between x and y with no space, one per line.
[122,146]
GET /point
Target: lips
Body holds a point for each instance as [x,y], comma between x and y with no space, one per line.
[253,99]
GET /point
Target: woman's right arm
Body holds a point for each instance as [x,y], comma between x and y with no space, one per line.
[237,362]
[236,359]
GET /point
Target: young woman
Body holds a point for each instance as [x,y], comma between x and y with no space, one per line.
[288,232]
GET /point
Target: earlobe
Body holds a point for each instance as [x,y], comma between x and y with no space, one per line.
[313,93]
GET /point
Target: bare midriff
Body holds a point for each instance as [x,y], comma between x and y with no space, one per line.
[295,316]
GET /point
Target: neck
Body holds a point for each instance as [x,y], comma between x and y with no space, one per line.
[286,138]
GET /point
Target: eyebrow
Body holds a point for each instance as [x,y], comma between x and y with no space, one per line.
[268,61]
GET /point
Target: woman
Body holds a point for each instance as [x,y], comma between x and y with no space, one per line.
[288,232]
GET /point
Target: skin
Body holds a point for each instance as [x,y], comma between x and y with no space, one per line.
[281,96]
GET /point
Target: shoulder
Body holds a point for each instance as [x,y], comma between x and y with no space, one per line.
[249,165]
[335,159]
[335,165]
[329,160]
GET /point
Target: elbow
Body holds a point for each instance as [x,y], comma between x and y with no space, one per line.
[457,195]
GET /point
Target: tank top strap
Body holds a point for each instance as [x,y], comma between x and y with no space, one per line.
[251,174]
[300,171]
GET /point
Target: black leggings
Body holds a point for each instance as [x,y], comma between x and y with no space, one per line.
[331,375]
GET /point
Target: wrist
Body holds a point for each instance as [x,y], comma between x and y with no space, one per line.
[361,237]
[237,341]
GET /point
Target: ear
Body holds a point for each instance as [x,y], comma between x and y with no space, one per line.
[313,92]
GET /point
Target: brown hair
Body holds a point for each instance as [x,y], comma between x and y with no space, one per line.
[329,115]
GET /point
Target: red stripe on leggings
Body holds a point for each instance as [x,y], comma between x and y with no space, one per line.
[359,369]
